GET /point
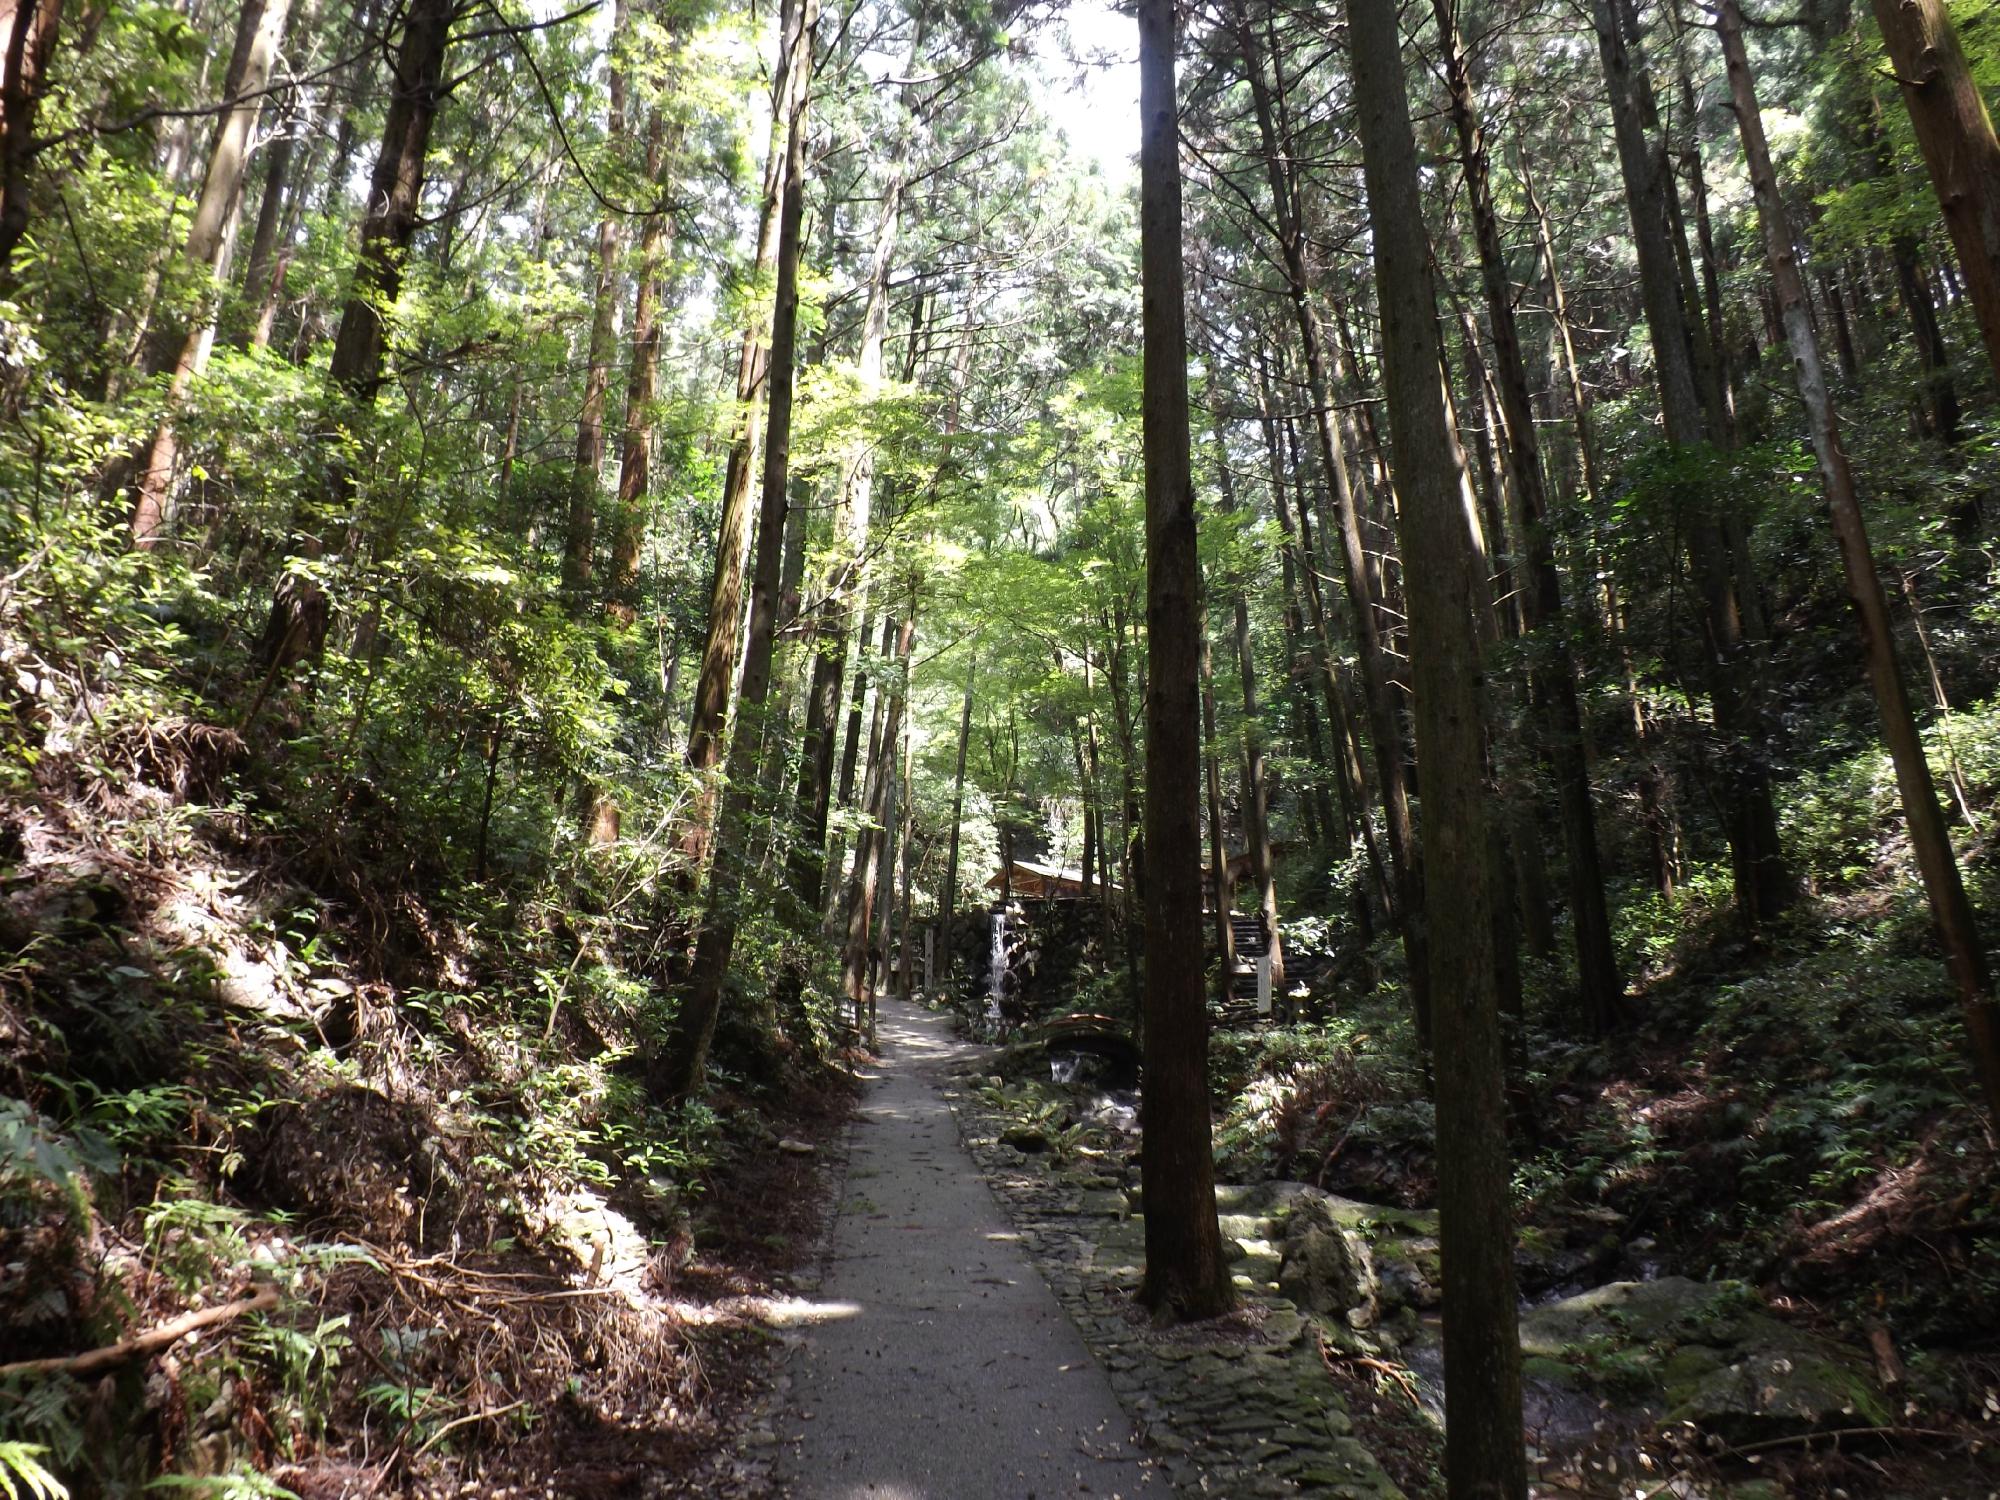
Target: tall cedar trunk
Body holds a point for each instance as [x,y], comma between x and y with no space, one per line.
[29,29]
[259,29]
[870,847]
[1955,134]
[1940,399]
[1513,837]
[948,900]
[709,716]
[395,199]
[1721,398]
[686,1051]
[1302,567]
[807,862]
[906,947]
[883,901]
[1940,392]
[278,160]
[1484,1457]
[297,624]
[1186,1276]
[1763,884]
[263,298]
[850,752]
[1552,669]
[1654,802]
[1404,855]
[580,532]
[1256,788]
[1930,841]
[635,457]
[796,629]
[1218,846]
[1517,831]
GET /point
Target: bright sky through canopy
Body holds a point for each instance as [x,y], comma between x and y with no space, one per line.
[1097,103]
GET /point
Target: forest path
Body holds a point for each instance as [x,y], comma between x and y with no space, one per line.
[939,1365]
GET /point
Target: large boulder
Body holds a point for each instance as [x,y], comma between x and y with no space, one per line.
[1709,1353]
[1326,1268]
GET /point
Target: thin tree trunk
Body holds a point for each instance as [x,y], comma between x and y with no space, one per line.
[1350,778]
[1551,667]
[1930,840]
[1218,847]
[270,292]
[1404,854]
[709,717]
[807,864]
[1484,1455]
[635,459]
[1185,1276]
[1763,884]
[906,951]
[260,28]
[580,532]
[296,627]
[693,1030]
[850,751]
[948,899]
[1256,793]
[869,846]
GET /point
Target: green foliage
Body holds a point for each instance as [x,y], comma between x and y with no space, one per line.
[33,1157]
[1296,1094]
[23,1473]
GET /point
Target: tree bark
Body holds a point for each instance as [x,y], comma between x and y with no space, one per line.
[693,1030]
[29,29]
[259,29]
[580,532]
[1763,884]
[1552,668]
[395,199]
[1218,846]
[1930,840]
[1405,858]
[1185,1276]
[709,717]
[948,900]
[635,458]
[1956,136]
[296,627]
[1484,1455]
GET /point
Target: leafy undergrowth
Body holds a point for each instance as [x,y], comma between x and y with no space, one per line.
[381,1142]
[1796,1112]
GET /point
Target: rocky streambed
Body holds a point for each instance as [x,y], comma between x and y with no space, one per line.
[1676,1382]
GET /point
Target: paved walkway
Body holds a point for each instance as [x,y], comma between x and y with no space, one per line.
[937,1364]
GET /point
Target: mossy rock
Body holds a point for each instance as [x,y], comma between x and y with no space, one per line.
[1672,1309]
[1709,1352]
[1325,1267]
[1793,1383]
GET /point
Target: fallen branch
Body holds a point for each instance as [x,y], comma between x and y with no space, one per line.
[1835,1434]
[144,1343]
[1327,1354]
[465,1421]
